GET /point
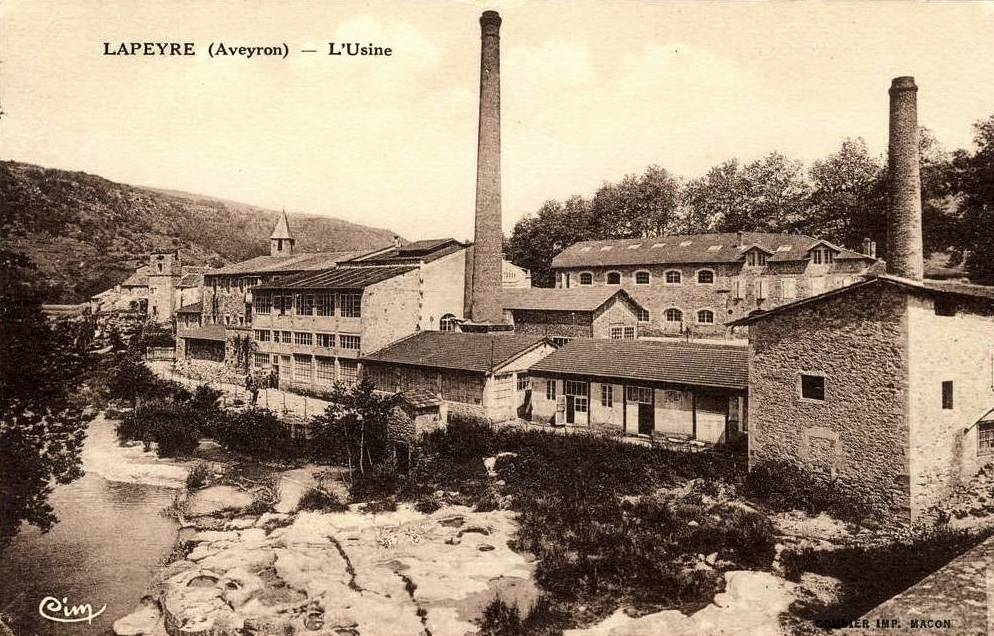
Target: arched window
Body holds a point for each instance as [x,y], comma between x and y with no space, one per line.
[586,278]
[642,278]
[673,277]
[705,277]
[613,278]
[447,323]
[705,317]
[673,315]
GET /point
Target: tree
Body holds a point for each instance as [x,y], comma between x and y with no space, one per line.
[637,206]
[354,429]
[42,423]
[848,200]
[972,176]
[538,237]
[715,201]
[776,192]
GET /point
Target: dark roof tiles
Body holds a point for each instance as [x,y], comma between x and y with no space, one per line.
[477,352]
[339,278]
[561,299]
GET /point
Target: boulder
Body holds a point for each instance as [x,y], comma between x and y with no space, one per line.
[146,620]
[215,499]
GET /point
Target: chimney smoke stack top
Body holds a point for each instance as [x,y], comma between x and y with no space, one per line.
[904,222]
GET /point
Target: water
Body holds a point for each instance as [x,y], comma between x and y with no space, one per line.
[110,538]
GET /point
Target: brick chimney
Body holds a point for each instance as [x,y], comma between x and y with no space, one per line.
[904,221]
[488,237]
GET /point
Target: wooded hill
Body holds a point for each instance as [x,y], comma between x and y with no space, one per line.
[86,234]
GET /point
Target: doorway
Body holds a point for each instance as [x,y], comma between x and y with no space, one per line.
[643,399]
[577,402]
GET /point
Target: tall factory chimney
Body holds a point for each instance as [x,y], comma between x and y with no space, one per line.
[485,306]
[904,221]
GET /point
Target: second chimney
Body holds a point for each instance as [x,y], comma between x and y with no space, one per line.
[904,221]
[488,234]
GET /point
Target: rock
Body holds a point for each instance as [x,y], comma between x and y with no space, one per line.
[240,523]
[271,519]
[692,523]
[216,499]
[711,559]
[485,547]
[145,620]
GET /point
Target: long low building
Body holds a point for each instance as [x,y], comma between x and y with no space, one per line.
[683,390]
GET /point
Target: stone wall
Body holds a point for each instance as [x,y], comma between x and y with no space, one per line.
[391,310]
[858,342]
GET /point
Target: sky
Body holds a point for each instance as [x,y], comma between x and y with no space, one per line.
[591,91]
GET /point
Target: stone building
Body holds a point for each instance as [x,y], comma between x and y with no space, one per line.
[156,289]
[656,389]
[564,314]
[698,283]
[513,276]
[889,381]
[310,330]
[479,374]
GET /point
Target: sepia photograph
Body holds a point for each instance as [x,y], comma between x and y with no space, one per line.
[496,318]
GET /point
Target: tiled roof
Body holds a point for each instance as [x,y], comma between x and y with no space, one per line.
[478,352]
[413,253]
[561,299]
[308,261]
[419,398]
[190,280]
[691,248]
[195,308]
[340,278]
[684,363]
[941,287]
[207,332]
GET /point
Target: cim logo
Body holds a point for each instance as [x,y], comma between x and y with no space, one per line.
[53,609]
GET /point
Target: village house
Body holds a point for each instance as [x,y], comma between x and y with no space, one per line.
[564,314]
[310,330]
[700,282]
[657,389]
[513,276]
[479,374]
[157,289]
[887,382]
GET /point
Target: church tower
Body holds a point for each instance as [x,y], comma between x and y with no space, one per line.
[164,271]
[281,242]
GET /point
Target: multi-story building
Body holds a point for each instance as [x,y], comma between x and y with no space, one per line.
[564,314]
[698,283]
[310,330]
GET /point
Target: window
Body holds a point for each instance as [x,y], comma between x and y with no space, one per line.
[607,395]
[550,389]
[947,395]
[705,277]
[349,371]
[523,382]
[643,315]
[760,258]
[573,387]
[447,323]
[263,302]
[813,387]
[325,369]
[755,257]
[642,278]
[945,307]
[302,369]
[705,317]
[673,277]
[559,340]
[621,332]
[673,315]
[302,338]
[629,333]
[325,304]
[287,337]
[276,337]
[326,340]
[613,278]
[349,342]
[788,288]
[586,278]
[822,256]
[638,394]
[985,437]
[762,288]
[298,305]
[261,361]
[351,305]
[262,335]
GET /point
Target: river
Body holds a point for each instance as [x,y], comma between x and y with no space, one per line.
[111,537]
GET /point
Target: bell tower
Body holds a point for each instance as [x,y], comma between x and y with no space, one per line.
[164,271]
[281,242]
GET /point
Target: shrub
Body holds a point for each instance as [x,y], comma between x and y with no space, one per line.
[501,619]
[315,499]
[198,475]
[785,485]
[375,482]
[172,426]
[256,431]
[427,504]
[380,505]
[354,428]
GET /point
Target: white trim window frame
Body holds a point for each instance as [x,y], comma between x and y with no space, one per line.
[607,278]
[648,277]
[679,277]
[697,276]
[705,311]
[580,279]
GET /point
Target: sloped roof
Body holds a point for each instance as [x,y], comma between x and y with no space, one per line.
[561,299]
[137,279]
[207,332]
[684,363]
[194,308]
[191,280]
[477,352]
[938,287]
[304,262]
[340,278]
[691,248]
[426,251]
[282,229]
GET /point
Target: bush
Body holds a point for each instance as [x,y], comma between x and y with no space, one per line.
[198,475]
[427,504]
[315,499]
[256,431]
[172,426]
[501,619]
[785,485]
[380,505]
[375,482]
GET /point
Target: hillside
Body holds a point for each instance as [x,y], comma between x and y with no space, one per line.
[86,233]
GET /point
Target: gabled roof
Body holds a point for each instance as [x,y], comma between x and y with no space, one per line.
[282,229]
[339,278]
[476,352]
[194,308]
[304,262]
[690,248]
[424,251]
[658,361]
[562,299]
[931,287]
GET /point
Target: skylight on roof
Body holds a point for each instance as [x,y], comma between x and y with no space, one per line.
[605,248]
[655,245]
[634,246]
[685,243]
[585,249]
[714,248]
[784,248]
